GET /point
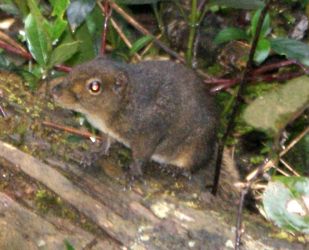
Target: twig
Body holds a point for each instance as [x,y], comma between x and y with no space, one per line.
[4,37]
[257,75]
[124,38]
[250,179]
[144,31]
[235,109]
[147,48]
[107,13]
[278,65]
[297,139]
[15,50]
[71,130]
[63,68]
[289,167]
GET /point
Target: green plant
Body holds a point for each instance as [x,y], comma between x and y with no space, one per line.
[290,48]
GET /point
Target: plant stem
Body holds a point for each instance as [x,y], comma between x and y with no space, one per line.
[193,25]
[244,80]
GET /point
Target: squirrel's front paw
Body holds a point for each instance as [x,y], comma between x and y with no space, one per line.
[135,173]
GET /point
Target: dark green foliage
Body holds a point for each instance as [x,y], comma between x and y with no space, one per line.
[292,49]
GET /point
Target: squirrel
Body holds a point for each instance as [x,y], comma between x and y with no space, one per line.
[160,109]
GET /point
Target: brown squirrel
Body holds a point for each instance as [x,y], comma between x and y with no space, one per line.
[160,109]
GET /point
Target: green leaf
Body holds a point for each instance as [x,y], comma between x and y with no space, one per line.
[37,34]
[240,4]
[292,49]
[38,40]
[57,29]
[78,11]
[284,202]
[59,7]
[140,43]
[230,34]
[63,52]
[86,49]
[265,27]
[272,111]
[262,51]
[94,22]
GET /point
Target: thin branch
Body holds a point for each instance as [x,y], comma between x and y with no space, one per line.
[289,167]
[297,139]
[279,65]
[124,38]
[227,83]
[250,179]
[144,31]
[63,68]
[4,37]
[15,50]
[71,130]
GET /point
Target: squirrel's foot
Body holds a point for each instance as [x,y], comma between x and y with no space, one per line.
[135,173]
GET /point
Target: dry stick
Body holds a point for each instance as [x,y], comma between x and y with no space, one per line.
[107,13]
[297,139]
[289,167]
[124,38]
[147,48]
[144,31]
[71,130]
[120,33]
[250,179]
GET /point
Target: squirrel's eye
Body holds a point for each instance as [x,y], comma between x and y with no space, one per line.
[94,86]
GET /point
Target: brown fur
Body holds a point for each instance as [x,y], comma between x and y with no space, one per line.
[160,109]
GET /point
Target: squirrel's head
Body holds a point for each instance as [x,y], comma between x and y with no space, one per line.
[93,86]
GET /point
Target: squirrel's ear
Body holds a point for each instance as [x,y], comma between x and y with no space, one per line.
[120,82]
